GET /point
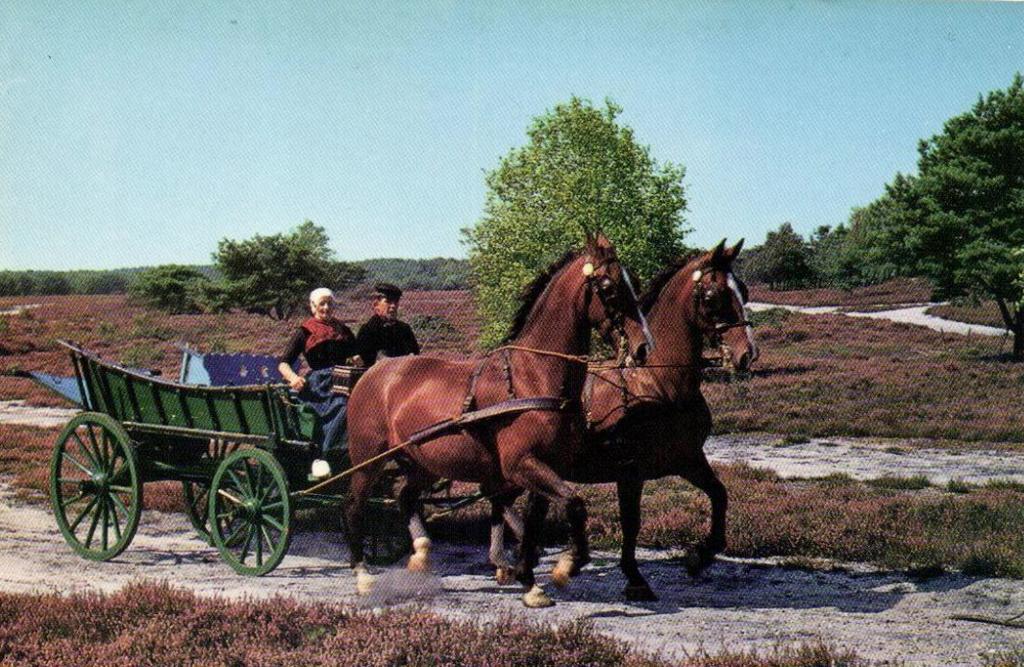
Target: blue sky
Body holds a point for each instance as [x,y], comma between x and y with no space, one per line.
[137,133]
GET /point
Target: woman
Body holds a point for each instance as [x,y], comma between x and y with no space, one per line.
[324,342]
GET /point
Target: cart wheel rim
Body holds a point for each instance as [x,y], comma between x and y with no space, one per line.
[95,486]
[197,494]
[197,507]
[250,511]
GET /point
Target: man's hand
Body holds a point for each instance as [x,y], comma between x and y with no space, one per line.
[297,383]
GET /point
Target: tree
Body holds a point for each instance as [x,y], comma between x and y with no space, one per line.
[960,221]
[581,171]
[273,275]
[781,261]
[172,288]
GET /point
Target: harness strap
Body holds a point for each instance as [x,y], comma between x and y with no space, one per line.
[550,403]
[467,403]
[506,368]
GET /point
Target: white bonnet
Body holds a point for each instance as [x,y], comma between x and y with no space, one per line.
[319,293]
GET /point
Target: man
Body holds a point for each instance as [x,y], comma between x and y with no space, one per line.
[384,333]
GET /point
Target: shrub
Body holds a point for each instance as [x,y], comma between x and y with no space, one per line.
[172,288]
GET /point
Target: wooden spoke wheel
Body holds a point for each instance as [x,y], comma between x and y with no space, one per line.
[250,511]
[95,486]
[197,494]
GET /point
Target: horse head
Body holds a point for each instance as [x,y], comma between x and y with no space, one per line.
[719,310]
[616,302]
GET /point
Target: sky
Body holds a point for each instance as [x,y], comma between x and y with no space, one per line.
[138,133]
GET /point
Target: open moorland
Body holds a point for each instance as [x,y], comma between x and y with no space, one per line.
[818,376]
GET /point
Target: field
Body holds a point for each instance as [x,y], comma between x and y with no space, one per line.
[819,376]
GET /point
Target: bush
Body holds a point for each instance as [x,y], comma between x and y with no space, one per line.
[272,275]
[171,288]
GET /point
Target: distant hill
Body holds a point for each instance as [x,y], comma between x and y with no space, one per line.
[438,273]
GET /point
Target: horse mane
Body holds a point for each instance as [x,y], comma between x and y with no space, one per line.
[528,297]
[659,281]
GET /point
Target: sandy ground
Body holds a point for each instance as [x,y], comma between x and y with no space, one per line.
[740,604]
[737,603]
[910,315]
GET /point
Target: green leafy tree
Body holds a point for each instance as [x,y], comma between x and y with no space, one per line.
[581,171]
[781,261]
[960,221]
[172,288]
[272,275]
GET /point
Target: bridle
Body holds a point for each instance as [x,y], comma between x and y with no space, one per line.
[614,313]
[701,301]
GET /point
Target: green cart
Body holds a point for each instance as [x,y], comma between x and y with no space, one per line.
[241,453]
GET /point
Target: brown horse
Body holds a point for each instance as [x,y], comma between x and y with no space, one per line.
[541,358]
[649,422]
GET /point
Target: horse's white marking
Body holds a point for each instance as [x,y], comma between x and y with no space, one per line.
[734,286]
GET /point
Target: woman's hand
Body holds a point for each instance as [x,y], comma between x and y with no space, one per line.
[297,383]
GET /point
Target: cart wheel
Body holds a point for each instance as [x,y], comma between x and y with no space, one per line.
[95,486]
[252,510]
[387,534]
[197,494]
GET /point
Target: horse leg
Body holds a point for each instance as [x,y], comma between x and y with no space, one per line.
[702,476]
[533,474]
[630,490]
[355,504]
[501,510]
[536,511]
[409,504]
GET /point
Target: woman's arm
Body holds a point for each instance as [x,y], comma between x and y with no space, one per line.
[285,361]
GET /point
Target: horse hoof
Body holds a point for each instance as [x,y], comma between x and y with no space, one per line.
[640,593]
[536,598]
[505,576]
[697,561]
[364,581]
[563,571]
[420,559]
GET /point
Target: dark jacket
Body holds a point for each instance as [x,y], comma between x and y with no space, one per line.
[394,339]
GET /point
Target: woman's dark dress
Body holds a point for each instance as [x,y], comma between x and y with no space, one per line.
[323,345]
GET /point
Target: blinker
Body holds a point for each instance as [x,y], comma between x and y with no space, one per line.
[588,269]
[697,275]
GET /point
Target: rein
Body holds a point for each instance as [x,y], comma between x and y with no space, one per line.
[578,358]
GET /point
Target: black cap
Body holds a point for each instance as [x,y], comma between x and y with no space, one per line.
[388,291]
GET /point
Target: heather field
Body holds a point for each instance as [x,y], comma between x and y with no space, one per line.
[135,336]
[892,292]
[833,375]
[985,313]
[152,624]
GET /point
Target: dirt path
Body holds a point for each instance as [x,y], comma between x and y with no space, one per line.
[915,315]
[740,604]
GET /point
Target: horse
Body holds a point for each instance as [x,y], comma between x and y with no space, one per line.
[540,365]
[650,422]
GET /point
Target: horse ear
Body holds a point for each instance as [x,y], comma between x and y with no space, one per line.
[588,242]
[735,250]
[718,253]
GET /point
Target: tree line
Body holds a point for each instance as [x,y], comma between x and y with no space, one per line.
[436,273]
[959,221]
